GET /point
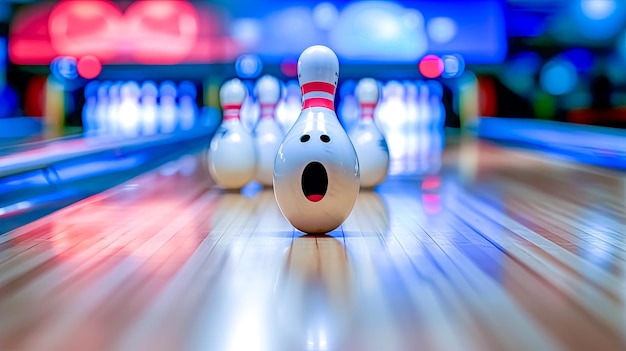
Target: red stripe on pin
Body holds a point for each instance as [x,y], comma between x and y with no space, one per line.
[267,110]
[229,117]
[231,111]
[318,102]
[231,107]
[318,86]
[367,110]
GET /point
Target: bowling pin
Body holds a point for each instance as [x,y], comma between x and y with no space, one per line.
[102,108]
[90,122]
[113,108]
[168,111]
[187,108]
[288,109]
[316,172]
[232,155]
[369,142]
[268,134]
[348,106]
[148,108]
[250,109]
[129,118]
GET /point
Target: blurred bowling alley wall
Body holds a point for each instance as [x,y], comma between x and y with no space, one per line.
[560,59]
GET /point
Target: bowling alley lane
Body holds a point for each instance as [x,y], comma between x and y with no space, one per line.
[503,249]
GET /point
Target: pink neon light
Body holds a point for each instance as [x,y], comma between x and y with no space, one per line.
[89,67]
[289,68]
[149,32]
[431,66]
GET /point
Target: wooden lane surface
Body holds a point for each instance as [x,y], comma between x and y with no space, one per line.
[504,250]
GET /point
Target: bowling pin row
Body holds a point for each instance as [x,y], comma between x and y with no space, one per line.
[417,103]
[237,157]
[410,115]
[128,109]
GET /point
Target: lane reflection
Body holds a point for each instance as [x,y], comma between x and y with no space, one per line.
[370,215]
[315,295]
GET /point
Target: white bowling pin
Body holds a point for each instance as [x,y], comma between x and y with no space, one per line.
[289,108]
[168,111]
[187,108]
[268,134]
[316,173]
[369,142]
[90,122]
[232,155]
[102,108]
[250,109]
[148,109]
[113,108]
[129,118]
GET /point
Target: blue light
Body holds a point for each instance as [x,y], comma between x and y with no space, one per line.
[558,77]
[598,9]
[582,59]
[247,31]
[441,29]
[598,19]
[64,67]
[453,66]
[377,30]
[187,88]
[91,89]
[248,66]
[519,75]
[325,15]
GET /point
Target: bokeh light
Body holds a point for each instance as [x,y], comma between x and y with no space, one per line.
[441,29]
[519,73]
[558,76]
[248,66]
[598,9]
[595,19]
[431,66]
[64,67]
[325,15]
[379,30]
[247,31]
[453,66]
[89,67]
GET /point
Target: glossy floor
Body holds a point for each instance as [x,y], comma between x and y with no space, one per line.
[502,250]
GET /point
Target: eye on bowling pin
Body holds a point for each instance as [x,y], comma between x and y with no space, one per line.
[369,142]
[268,134]
[316,172]
[232,155]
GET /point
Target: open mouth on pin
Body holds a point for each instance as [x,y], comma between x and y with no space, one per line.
[314,181]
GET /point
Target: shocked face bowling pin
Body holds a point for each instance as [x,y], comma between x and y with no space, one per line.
[268,135]
[232,155]
[368,141]
[316,173]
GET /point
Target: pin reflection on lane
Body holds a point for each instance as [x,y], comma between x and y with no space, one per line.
[314,295]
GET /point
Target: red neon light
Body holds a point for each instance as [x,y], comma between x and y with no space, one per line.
[149,32]
[89,67]
[289,68]
[431,66]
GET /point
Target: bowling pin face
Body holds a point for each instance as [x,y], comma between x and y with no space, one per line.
[232,154]
[316,173]
[369,142]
